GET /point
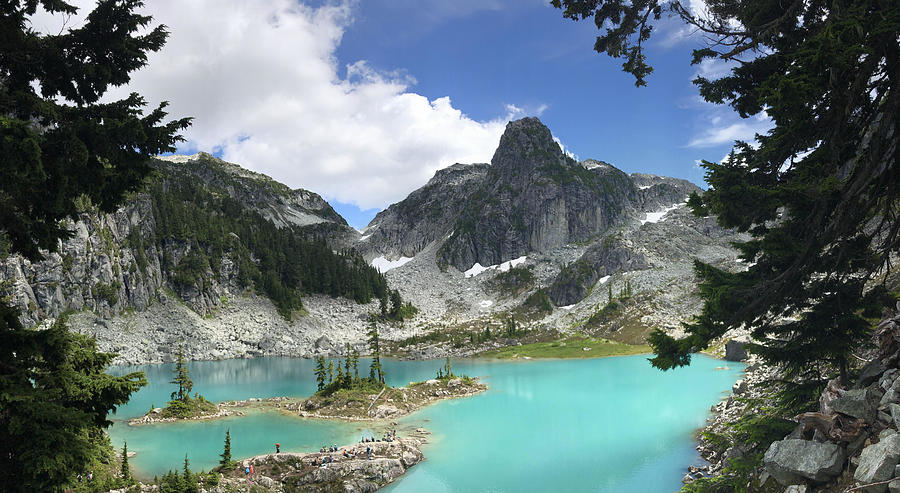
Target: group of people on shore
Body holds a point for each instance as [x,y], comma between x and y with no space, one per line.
[389,436]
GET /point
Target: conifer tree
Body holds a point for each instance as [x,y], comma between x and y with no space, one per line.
[226,462]
[356,365]
[818,193]
[181,379]
[188,479]
[60,147]
[396,306]
[347,364]
[124,469]
[383,304]
[330,371]
[321,372]
[376,373]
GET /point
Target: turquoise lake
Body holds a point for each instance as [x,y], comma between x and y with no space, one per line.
[597,425]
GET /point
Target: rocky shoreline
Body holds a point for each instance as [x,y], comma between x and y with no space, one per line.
[851,442]
[354,468]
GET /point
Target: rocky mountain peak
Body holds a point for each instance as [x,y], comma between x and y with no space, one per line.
[525,145]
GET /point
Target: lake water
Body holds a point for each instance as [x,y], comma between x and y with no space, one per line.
[598,425]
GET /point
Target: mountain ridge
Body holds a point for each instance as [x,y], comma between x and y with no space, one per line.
[570,227]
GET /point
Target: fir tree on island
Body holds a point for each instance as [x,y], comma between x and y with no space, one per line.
[346,394]
[182,404]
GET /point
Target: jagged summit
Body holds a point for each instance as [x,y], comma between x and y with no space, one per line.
[531,198]
[526,143]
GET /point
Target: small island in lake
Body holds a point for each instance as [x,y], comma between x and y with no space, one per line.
[353,398]
[341,393]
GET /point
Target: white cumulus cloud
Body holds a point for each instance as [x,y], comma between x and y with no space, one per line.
[263,82]
[726,127]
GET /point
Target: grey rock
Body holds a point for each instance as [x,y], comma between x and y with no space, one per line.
[894,486]
[793,461]
[323,344]
[890,396]
[734,351]
[426,215]
[858,403]
[895,414]
[603,258]
[877,463]
[870,373]
[531,198]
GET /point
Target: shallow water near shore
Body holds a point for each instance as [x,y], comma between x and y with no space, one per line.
[601,425]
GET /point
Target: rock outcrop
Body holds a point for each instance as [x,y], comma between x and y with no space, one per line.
[604,258]
[404,229]
[734,350]
[535,198]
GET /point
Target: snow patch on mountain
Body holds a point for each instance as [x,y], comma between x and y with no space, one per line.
[383,265]
[655,217]
[505,266]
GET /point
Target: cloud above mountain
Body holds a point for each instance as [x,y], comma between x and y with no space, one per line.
[262,81]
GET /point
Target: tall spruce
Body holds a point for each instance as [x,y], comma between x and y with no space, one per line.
[355,365]
[818,193]
[348,363]
[330,371]
[182,379]
[61,146]
[396,311]
[225,461]
[376,372]
[124,470]
[321,373]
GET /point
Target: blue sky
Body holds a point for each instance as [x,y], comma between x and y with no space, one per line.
[362,101]
[526,54]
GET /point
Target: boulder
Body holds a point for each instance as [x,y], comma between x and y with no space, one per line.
[385,411]
[895,413]
[793,461]
[889,397]
[734,350]
[858,403]
[870,373]
[877,463]
[894,486]
[323,344]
